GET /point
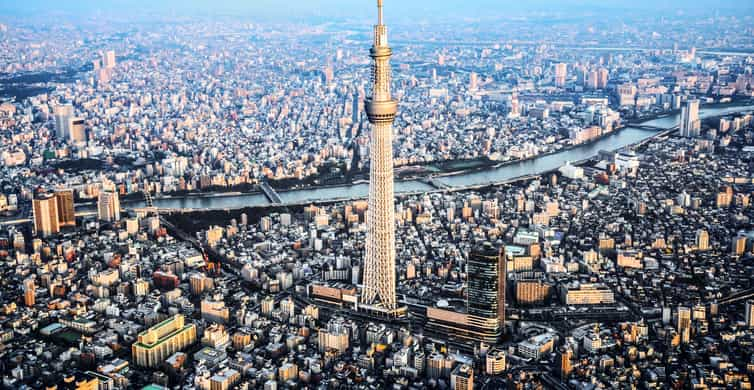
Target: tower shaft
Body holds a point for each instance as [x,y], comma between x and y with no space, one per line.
[379,264]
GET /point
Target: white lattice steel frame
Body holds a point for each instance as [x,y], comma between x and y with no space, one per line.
[379,264]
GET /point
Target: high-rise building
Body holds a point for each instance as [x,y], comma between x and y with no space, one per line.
[108,59]
[29,292]
[76,130]
[561,72]
[739,245]
[495,362]
[356,109]
[702,240]
[627,94]
[62,115]
[334,338]
[602,77]
[485,272]
[515,110]
[66,210]
[462,378]
[750,313]
[473,81]
[379,263]
[45,208]
[108,206]
[581,75]
[329,73]
[564,363]
[162,340]
[67,126]
[690,125]
[288,371]
[484,320]
[532,291]
[684,324]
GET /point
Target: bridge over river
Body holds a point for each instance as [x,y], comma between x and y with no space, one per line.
[505,173]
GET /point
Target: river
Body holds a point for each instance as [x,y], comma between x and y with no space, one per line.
[617,140]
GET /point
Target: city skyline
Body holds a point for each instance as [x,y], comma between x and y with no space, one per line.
[260,195]
[401,12]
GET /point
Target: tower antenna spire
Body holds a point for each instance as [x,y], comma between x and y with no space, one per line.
[379,12]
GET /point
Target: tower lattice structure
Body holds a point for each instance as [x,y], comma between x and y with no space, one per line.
[379,264]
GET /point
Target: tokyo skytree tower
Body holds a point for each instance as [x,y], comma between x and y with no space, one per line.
[379,264]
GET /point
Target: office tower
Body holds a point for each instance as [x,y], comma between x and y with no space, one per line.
[676,102]
[591,80]
[29,291]
[104,75]
[602,77]
[515,109]
[462,378]
[581,75]
[329,74]
[108,59]
[63,115]
[739,245]
[690,124]
[702,240]
[627,94]
[76,130]
[108,206]
[157,343]
[66,210]
[485,272]
[379,264]
[67,126]
[563,361]
[355,109]
[561,71]
[684,324]
[45,208]
[750,313]
[473,81]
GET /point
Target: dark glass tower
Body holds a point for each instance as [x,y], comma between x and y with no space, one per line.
[485,272]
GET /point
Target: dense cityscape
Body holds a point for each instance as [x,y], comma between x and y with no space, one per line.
[536,201]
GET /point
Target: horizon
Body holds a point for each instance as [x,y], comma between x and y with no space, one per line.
[398,12]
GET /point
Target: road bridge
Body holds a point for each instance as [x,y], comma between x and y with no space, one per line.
[647,127]
[270,193]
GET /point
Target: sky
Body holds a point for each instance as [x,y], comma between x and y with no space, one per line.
[295,9]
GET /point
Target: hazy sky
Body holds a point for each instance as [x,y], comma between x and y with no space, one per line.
[295,9]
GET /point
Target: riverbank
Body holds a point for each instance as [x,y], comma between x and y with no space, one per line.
[468,180]
[734,103]
[417,181]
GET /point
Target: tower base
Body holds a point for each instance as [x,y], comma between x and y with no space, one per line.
[379,312]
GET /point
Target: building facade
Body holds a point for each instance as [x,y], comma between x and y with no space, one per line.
[162,340]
